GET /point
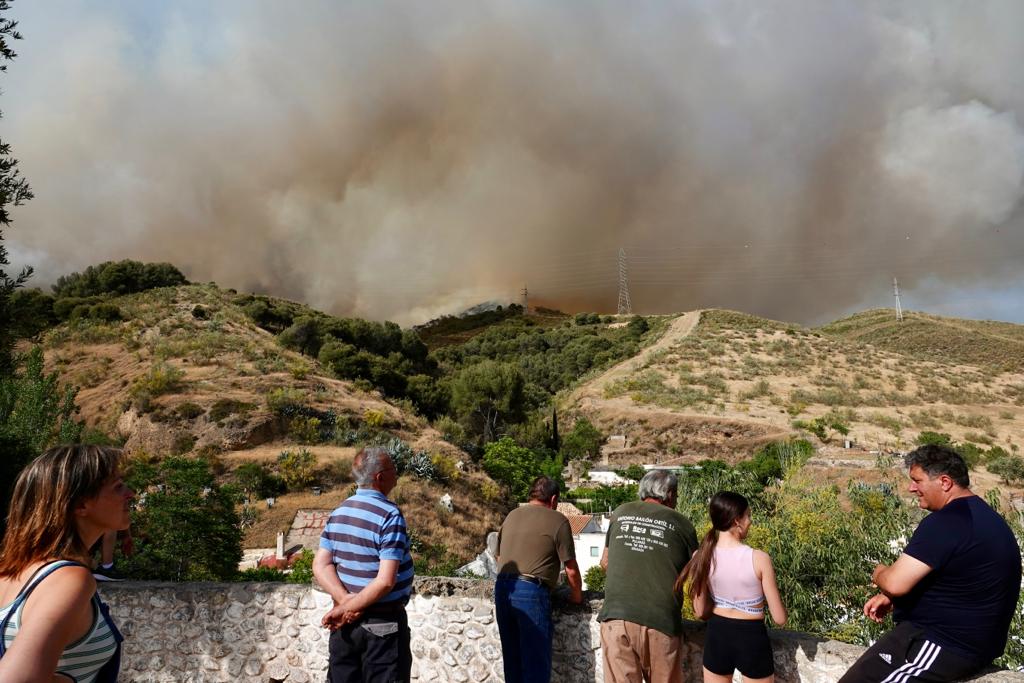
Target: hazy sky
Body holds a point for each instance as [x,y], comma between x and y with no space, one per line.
[405,159]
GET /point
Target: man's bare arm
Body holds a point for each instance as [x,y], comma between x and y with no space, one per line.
[575,579]
[381,585]
[901,577]
[327,576]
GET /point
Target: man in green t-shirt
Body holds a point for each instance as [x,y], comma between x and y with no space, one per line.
[647,545]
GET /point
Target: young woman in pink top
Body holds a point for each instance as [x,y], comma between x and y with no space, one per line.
[730,583]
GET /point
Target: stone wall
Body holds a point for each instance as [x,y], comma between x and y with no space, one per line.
[213,633]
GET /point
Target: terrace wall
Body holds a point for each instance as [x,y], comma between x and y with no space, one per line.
[213,633]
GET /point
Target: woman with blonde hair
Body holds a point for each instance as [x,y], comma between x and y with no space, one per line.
[53,626]
[730,583]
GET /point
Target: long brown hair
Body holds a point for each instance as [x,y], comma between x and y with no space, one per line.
[41,522]
[725,508]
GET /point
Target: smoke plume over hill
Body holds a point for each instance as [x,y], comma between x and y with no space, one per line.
[399,160]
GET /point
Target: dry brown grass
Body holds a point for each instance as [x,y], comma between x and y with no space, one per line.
[736,368]
[464,531]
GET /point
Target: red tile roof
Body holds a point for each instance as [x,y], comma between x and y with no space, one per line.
[578,522]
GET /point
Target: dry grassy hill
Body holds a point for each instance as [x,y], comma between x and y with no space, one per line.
[188,372]
[987,344]
[719,383]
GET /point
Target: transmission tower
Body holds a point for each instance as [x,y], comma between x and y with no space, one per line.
[625,307]
[896,293]
[526,300]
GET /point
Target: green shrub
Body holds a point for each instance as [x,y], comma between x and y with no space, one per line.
[823,426]
[450,429]
[281,399]
[225,407]
[188,411]
[302,568]
[595,578]
[305,430]
[490,491]
[635,472]
[772,461]
[296,468]
[445,468]
[760,388]
[374,419]
[162,378]
[262,574]
[256,480]
[64,308]
[1008,468]
[183,443]
[934,439]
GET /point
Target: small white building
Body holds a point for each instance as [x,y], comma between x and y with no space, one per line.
[608,478]
[588,532]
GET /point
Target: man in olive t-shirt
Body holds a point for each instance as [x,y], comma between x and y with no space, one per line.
[647,545]
[534,541]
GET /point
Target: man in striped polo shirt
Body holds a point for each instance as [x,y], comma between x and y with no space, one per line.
[364,564]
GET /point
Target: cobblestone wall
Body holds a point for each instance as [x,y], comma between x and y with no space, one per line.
[213,633]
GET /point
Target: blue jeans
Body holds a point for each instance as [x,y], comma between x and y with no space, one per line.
[523,612]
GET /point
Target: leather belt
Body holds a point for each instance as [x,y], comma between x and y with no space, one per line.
[536,581]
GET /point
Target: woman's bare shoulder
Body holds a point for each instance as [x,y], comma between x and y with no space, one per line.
[69,584]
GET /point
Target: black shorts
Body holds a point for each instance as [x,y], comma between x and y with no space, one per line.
[743,644]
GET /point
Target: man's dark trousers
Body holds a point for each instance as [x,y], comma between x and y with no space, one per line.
[374,649]
[522,610]
[906,655]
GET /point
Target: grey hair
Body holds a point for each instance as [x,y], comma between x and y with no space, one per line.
[658,484]
[368,463]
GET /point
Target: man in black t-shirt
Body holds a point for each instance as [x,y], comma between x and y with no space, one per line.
[954,589]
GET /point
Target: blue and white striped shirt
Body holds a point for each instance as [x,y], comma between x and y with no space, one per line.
[364,530]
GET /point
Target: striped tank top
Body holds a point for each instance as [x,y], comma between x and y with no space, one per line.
[82,660]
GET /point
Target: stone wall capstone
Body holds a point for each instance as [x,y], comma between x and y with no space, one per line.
[271,633]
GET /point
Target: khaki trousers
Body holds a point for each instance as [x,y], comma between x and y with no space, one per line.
[635,653]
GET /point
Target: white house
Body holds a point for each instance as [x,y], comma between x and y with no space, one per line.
[608,478]
[588,533]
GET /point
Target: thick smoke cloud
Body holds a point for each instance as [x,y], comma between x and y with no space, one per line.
[400,160]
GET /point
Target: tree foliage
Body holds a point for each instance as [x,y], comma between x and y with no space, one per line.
[36,412]
[488,396]
[117,278]
[14,190]
[184,523]
[516,467]
[584,441]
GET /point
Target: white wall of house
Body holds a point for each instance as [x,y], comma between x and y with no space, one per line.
[589,545]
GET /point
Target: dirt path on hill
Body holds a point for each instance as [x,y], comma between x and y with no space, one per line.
[593,390]
[645,422]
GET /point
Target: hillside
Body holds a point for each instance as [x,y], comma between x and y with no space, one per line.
[194,369]
[993,345]
[454,330]
[721,386]
[188,371]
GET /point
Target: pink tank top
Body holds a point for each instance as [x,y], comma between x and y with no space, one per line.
[733,582]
